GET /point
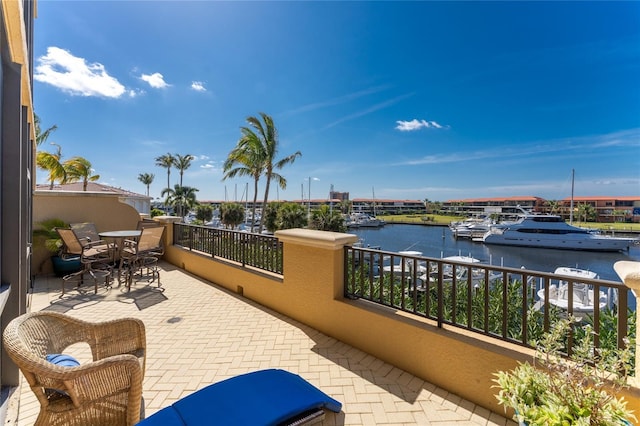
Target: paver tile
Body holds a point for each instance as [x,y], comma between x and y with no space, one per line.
[198,334]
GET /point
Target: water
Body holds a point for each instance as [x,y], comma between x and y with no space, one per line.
[438,241]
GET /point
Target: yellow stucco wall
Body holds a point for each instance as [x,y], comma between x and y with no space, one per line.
[105,210]
[310,291]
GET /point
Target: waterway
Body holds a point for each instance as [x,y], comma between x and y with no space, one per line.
[438,241]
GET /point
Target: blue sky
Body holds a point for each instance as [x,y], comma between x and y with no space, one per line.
[401,100]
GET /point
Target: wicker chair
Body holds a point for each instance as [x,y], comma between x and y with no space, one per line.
[106,391]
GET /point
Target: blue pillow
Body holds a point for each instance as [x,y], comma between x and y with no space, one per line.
[62,360]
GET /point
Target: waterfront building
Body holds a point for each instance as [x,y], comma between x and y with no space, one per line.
[501,206]
[606,209]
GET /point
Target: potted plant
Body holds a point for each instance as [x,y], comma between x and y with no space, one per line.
[576,390]
[45,236]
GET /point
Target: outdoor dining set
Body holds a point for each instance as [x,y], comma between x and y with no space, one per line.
[120,256]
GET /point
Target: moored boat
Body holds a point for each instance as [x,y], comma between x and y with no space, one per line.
[584,299]
[552,232]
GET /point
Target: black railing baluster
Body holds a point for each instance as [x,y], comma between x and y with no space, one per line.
[509,307]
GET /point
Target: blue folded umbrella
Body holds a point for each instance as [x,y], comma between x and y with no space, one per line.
[266,397]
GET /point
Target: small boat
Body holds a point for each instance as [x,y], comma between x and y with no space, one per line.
[408,264]
[461,271]
[583,293]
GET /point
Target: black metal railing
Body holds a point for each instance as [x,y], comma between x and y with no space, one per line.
[516,305]
[255,250]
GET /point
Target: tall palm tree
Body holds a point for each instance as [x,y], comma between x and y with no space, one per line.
[79,168]
[146,179]
[182,163]
[166,161]
[41,136]
[181,198]
[53,164]
[263,140]
[244,160]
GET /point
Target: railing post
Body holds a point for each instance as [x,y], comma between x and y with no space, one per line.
[629,273]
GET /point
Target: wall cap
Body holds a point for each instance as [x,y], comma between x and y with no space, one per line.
[629,273]
[315,238]
[167,219]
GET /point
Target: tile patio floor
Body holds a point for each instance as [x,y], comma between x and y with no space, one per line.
[198,334]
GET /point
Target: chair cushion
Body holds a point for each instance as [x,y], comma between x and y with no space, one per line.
[62,360]
[266,397]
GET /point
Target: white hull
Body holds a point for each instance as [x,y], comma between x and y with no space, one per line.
[583,294]
[551,232]
[567,242]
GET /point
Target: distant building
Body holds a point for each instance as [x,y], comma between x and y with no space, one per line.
[340,196]
[141,203]
[607,209]
[502,206]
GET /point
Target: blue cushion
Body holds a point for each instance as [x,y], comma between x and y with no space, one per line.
[266,397]
[62,360]
[166,417]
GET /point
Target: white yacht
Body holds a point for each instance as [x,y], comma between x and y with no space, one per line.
[551,231]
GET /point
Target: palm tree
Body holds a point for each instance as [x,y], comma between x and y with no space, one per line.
[263,146]
[554,205]
[325,219]
[146,179]
[53,164]
[79,168]
[166,161]
[231,214]
[181,197]
[182,163]
[244,160]
[291,215]
[41,136]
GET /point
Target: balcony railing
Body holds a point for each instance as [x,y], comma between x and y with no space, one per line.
[255,250]
[515,305]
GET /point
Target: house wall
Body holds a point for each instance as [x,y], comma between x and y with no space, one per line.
[105,210]
[311,291]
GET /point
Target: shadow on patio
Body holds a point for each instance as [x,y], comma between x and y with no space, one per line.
[198,333]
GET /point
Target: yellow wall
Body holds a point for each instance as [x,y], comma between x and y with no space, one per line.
[105,210]
[310,291]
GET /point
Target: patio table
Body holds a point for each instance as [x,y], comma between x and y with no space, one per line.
[119,237]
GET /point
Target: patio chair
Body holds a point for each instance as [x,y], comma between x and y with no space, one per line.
[265,397]
[86,231]
[95,257]
[141,256]
[104,391]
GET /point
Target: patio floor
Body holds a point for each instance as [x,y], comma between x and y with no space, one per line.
[198,334]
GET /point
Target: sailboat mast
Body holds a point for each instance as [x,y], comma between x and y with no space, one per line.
[573,174]
[373,193]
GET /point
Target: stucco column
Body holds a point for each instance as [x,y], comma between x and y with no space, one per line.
[313,270]
[629,273]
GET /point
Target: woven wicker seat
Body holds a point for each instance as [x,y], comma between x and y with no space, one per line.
[105,391]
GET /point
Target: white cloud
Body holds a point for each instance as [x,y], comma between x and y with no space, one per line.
[155,80]
[75,76]
[198,86]
[415,124]
[209,165]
